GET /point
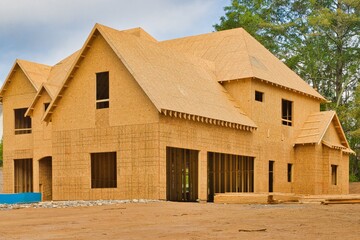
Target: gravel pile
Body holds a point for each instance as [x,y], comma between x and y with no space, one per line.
[70,204]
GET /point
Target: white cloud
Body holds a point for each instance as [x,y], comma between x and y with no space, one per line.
[48,30]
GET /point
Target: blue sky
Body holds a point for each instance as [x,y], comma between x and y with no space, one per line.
[47,31]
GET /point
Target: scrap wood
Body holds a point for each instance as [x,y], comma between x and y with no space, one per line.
[340,201]
[253,230]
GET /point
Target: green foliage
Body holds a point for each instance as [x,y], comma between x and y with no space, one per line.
[319,40]
[353,122]
[353,178]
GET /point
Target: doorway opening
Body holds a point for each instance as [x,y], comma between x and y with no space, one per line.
[271,176]
[45,178]
[182,174]
[23,175]
[229,173]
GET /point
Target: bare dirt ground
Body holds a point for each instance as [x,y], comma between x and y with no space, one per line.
[170,220]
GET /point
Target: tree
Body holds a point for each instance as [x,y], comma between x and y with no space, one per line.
[354,136]
[319,40]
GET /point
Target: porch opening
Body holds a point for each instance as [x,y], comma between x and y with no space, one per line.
[23,175]
[45,178]
[181,174]
[229,173]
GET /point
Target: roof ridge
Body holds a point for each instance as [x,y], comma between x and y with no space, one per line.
[247,49]
[203,34]
[32,62]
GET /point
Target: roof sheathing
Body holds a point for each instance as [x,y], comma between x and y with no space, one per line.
[237,55]
[36,73]
[316,126]
[137,49]
[184,77]
[54,80]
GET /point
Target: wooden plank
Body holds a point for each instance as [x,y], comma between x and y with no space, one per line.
[341,201]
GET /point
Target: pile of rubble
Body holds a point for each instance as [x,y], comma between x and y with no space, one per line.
[69,204]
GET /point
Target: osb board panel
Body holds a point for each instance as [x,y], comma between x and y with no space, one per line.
[306,158]
[18,84]
[335,157]
[172,80]
[200,136]
[312,170]
[267,114]
[8,166]
[19,94]
[128,103]
[238,55]
[137,162]
[41,131]
[241,198]
[332,135]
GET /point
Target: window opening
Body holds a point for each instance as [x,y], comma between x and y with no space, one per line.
[46,105]
[271,176]
[259,96]
[181,174]
[23,175]
[286,110]
[102,90]
[334,174]
[103,170]
[22,123]
[289,172]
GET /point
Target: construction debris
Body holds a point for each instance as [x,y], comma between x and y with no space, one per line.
[253,230]
[340,201]
[69,204]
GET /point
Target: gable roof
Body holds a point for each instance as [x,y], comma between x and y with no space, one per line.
[315,127]
[36,73]
[54,79]
[58,73]
[176,84]
[39,93]
[237,55]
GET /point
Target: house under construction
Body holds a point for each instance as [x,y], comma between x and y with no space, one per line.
[128,116]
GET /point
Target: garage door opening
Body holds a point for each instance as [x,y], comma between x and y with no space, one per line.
[229,173]
[182,174]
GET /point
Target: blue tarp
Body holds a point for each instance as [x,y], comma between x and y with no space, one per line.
[14,198]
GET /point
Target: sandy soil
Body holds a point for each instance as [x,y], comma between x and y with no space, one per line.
[170,220]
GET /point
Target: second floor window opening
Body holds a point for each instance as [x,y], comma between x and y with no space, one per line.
[102,90]
[22,123]
[286,112]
